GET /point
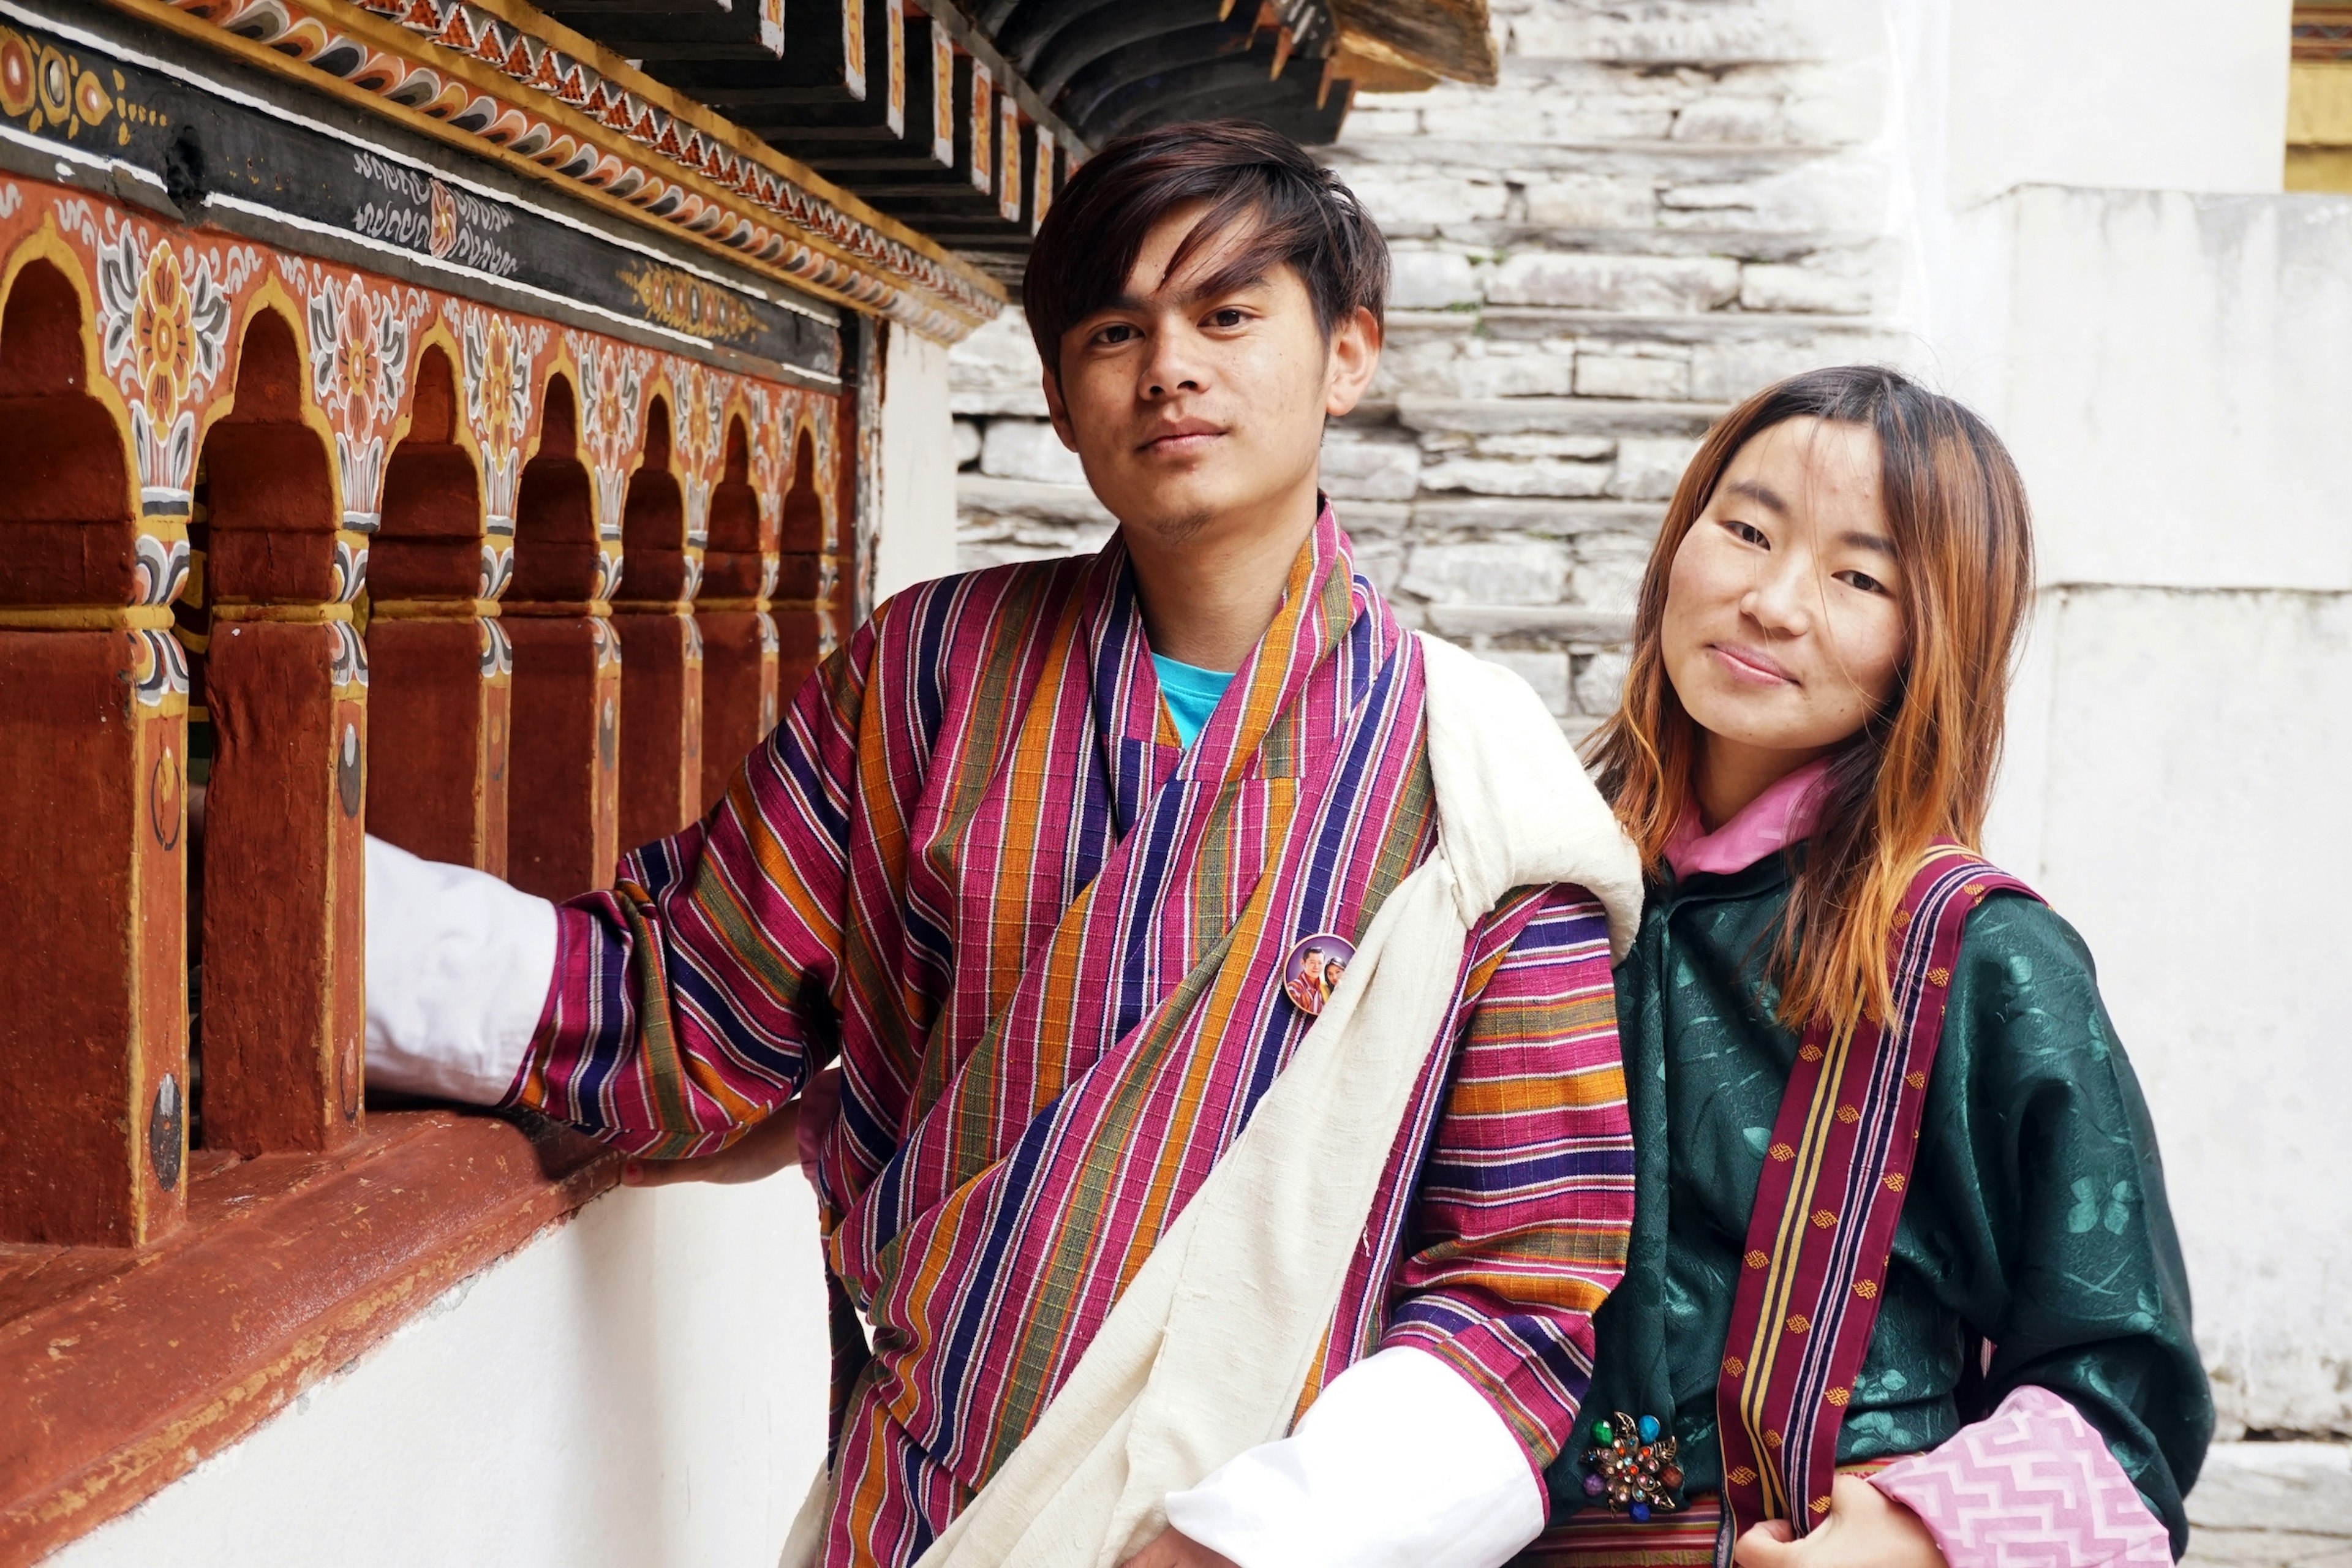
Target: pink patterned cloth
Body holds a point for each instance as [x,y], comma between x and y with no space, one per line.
[1783,814]
[2031,1485]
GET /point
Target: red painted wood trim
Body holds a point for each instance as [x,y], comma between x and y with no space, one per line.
[125,1369]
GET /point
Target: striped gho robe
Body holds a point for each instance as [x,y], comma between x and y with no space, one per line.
[1046,943]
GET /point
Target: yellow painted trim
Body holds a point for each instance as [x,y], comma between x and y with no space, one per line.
[2319,103]
[86,617]
[2323,169]
[432,609]
[556,609]
[298,614]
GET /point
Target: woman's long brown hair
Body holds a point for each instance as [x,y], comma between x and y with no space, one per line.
[1921,768]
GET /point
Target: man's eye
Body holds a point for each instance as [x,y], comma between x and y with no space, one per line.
[1228,317]
[1863,581]
[1116,333]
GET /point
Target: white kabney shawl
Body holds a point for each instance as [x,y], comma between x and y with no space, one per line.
[1207,1353]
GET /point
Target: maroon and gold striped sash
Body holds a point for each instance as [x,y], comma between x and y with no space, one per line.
[1823,1224]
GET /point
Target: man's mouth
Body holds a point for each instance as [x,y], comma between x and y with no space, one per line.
[1181,440]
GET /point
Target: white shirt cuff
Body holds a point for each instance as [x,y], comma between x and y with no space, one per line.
[459,964]
[1400,1463]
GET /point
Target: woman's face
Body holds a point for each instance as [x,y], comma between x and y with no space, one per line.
[1784,627]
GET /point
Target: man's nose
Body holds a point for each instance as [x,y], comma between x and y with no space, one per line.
[1172,365]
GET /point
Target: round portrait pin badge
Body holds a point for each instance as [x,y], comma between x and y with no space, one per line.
[1312,972]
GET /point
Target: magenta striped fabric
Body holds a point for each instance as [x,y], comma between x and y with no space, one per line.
[1045,944]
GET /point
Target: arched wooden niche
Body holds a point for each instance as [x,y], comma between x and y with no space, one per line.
[804,575]
[563,787]
[268,477]
[739,638]
[286,683]
[802,529]
[429,545]
[92,806]
[557,557]
[72,537]
[653,521]
[440,690]
[732,563]
[661,648]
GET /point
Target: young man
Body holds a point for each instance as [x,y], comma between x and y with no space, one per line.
[1037,859]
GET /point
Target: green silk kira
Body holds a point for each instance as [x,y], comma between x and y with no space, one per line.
[2035,1218]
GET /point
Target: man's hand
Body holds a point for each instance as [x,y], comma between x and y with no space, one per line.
[1170,1550]
[1865,1529]
[768,1148]
[788,1136]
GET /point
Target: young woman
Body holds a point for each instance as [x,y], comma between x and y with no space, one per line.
[1898,1198]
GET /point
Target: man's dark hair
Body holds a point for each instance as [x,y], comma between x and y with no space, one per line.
[1292,210]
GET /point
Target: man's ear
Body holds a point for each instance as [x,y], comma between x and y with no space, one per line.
[1355,357]
[1058,411]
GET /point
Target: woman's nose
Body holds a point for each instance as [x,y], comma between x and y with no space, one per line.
[1781,600]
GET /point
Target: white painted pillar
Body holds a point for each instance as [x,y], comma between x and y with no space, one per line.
[916,540]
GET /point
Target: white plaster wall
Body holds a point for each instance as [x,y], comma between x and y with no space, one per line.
[2146,94]
[916,540]
[643,1387]
[2177,790]
[2174,374]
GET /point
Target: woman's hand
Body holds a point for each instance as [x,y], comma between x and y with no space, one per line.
[1865,1529]
[1170,1550]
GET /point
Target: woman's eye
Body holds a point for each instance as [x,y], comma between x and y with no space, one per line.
[1747,533]
[1863,581]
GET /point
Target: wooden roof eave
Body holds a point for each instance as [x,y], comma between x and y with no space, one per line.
[949,316]
[1452,39]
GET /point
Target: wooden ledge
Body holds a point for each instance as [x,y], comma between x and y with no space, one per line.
[125,1369]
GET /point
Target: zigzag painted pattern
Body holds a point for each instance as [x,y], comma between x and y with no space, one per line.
[2031,1485]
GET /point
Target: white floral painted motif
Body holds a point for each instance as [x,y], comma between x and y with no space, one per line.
[607,641]
[350,567]
[498,356]
[360,339]
[612,407]
[159,667]
[498,570]
[349,667]
[697,438]
[497,651]
[164,330]
[160,569]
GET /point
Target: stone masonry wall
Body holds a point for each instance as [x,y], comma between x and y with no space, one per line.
[1662,206]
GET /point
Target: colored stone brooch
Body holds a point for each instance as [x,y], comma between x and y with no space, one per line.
[1632,1465]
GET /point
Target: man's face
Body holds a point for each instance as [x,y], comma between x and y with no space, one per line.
[1195,404]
